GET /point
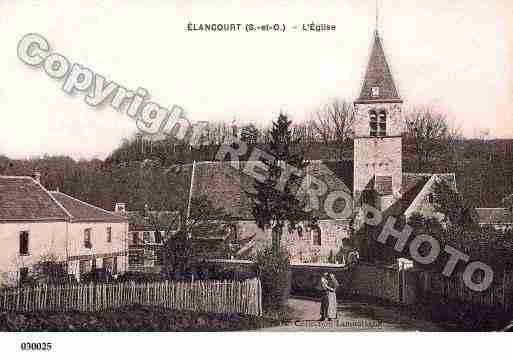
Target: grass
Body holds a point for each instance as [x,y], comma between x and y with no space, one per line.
[131,319]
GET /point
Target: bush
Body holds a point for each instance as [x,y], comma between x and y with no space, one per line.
[98,275]
[139,277]
[274,272]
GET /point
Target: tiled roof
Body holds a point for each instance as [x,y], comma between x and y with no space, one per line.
[413,183]
[81,211]
[138,222]
[495,215]
[23,199]
[226,186]
[378,75]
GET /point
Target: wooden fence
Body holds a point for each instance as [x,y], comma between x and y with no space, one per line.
[203,296]
[500,293]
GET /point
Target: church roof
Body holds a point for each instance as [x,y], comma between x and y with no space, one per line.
[226,187]
[378,75]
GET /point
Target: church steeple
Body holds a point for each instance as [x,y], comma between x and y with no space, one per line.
[378,84]
[377,132]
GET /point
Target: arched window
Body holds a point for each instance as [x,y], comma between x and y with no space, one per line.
[316,236]
[373,123]
[382,123]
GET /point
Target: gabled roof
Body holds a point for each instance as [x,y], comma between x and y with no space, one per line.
[24,199]
[84,212]
[138,222]
[378,75]
[495,216]
[226,186]
[413,183]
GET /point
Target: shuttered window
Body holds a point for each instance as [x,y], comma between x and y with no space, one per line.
[24,243]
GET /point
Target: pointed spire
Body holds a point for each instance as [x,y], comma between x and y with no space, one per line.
[378,84]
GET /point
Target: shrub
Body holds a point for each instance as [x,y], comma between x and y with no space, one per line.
[139,277]
[274,272]
[98,275]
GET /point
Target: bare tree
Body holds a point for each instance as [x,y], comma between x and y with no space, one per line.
[429,133]
[333,123]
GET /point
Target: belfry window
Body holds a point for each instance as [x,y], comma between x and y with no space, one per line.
[373,123]
[382,124]
[316,236]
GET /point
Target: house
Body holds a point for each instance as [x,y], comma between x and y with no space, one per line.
[374,176]
[36,224]
[146,234]
[500,219]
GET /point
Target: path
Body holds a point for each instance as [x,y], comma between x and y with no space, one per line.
[352,316]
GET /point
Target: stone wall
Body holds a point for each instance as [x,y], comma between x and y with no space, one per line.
[300,247]
[383,282]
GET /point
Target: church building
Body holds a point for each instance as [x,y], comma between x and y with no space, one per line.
[374,176]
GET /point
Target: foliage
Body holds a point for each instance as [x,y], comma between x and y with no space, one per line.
[273,268]
[274,202]
[97,275]
[451,204]
[133,318]
[49,270]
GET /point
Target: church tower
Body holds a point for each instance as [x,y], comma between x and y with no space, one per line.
[378,129]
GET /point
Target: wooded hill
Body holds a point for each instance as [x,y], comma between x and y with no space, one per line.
[484,169]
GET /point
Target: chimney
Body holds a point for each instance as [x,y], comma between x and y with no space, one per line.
[37,176]
[120,208]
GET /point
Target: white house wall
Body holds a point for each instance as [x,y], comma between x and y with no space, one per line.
[45,238]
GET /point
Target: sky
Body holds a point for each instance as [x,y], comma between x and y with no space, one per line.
[454,56]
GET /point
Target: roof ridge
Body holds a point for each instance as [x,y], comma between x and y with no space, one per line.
[90,205]
[70,216]
[14,177]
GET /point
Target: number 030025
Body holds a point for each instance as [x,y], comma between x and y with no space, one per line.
[36,346]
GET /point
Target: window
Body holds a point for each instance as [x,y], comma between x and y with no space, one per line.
[23,274]
[431,198]
[24,243]
[384,185]
[146,237]
[300,231]
[375,91]
[316,236]
[373,123]
[93,264]
[115,266]
[109,234]
[382,124]
[135,238]
[87,238]
[158,237]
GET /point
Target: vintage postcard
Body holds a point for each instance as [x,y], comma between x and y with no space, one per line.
[294,166]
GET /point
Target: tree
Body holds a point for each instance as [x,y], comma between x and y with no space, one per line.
[192,231]
[333,123]
[274,202]
[451,204]
[428,132]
